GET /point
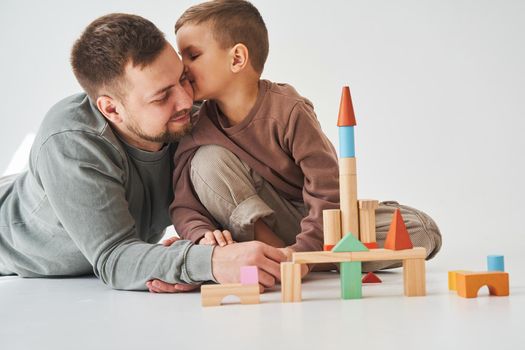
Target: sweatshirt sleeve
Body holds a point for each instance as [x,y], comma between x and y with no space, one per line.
[315,155]
[84,180]
[189,216]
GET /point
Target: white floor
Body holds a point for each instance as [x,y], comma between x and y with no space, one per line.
[82,313]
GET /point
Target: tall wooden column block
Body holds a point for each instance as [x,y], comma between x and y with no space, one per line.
[290,282]
[367,220]
[348,196]
[351,285]
[331,228]
[414,277]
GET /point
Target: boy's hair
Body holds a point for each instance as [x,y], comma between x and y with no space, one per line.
[232,22]
[107,45]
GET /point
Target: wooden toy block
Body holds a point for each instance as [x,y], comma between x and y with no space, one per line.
[346,109]
[367,220]
[469,283]
[371,255]
[346,142]
[320,257]
[371,278]
[349,243]
[387,254]
[371,245]
[249,275]
[495,263]
[414,277]
[290,282]
[397,237]
[331,227]
[351,286]
[212,294]
[452,276]
[348,196]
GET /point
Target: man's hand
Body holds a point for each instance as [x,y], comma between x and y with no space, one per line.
[222,238]
[288,252]
[228,260]
[158,286]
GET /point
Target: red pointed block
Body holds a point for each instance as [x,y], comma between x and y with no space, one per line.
[371,278]
[397,237]
[346,109]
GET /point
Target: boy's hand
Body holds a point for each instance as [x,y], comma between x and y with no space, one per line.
[287,251]
[169,241]
[222,238]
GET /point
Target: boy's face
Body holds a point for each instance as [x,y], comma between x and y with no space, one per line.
[208,65]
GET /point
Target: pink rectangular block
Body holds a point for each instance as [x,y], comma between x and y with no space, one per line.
[249,275]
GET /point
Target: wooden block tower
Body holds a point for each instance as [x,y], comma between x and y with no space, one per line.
[347,166]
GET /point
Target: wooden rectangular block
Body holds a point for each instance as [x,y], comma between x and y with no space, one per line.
[414,277]
[387,254]
[348,196]
[249,275]
[212,294]
[367,220]
[371,255]
[351,285]
[290,282]
[452,277]
[331,226]
[320,257]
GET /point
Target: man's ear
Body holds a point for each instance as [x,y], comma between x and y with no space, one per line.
[240,57]
[108,107]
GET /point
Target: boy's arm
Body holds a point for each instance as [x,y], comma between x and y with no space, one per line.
[188,215]
[314,153]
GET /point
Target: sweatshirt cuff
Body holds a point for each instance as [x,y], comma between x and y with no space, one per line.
[197,265]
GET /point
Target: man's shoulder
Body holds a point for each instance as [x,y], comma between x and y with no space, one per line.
[74,124]
[73,113]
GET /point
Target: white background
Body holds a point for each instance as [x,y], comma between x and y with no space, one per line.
[438,90]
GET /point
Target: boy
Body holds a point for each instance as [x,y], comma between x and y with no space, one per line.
[257,164]
[269,127]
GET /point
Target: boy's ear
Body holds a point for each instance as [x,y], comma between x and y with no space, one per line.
[108,107]
[240,57]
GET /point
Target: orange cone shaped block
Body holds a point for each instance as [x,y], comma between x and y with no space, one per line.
[397,237]
[346,109]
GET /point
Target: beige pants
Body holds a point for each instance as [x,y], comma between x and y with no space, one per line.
[237,197]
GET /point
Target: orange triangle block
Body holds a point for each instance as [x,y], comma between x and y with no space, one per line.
[371,278]
[346,109]
[397,237]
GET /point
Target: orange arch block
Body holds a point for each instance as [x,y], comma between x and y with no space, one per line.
[469,283]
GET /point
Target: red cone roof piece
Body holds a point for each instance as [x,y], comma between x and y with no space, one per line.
[346,109]
[371,278]
[397,237]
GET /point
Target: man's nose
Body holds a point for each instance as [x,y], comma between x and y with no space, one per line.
[183,98]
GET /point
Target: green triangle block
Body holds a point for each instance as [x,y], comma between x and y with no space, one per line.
[351,284]
[349,244]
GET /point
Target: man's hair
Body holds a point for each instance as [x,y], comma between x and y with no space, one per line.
[232,22]
[99,57]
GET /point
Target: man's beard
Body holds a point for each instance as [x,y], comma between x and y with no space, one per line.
[165,137]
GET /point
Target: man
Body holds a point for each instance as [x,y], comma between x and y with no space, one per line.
[96,195]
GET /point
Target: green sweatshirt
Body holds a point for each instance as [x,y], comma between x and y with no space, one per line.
[91,203]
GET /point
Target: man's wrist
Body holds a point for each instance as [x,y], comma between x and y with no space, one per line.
[198,263]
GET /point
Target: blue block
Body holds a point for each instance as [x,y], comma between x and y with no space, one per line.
[495,263]
[346,142]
